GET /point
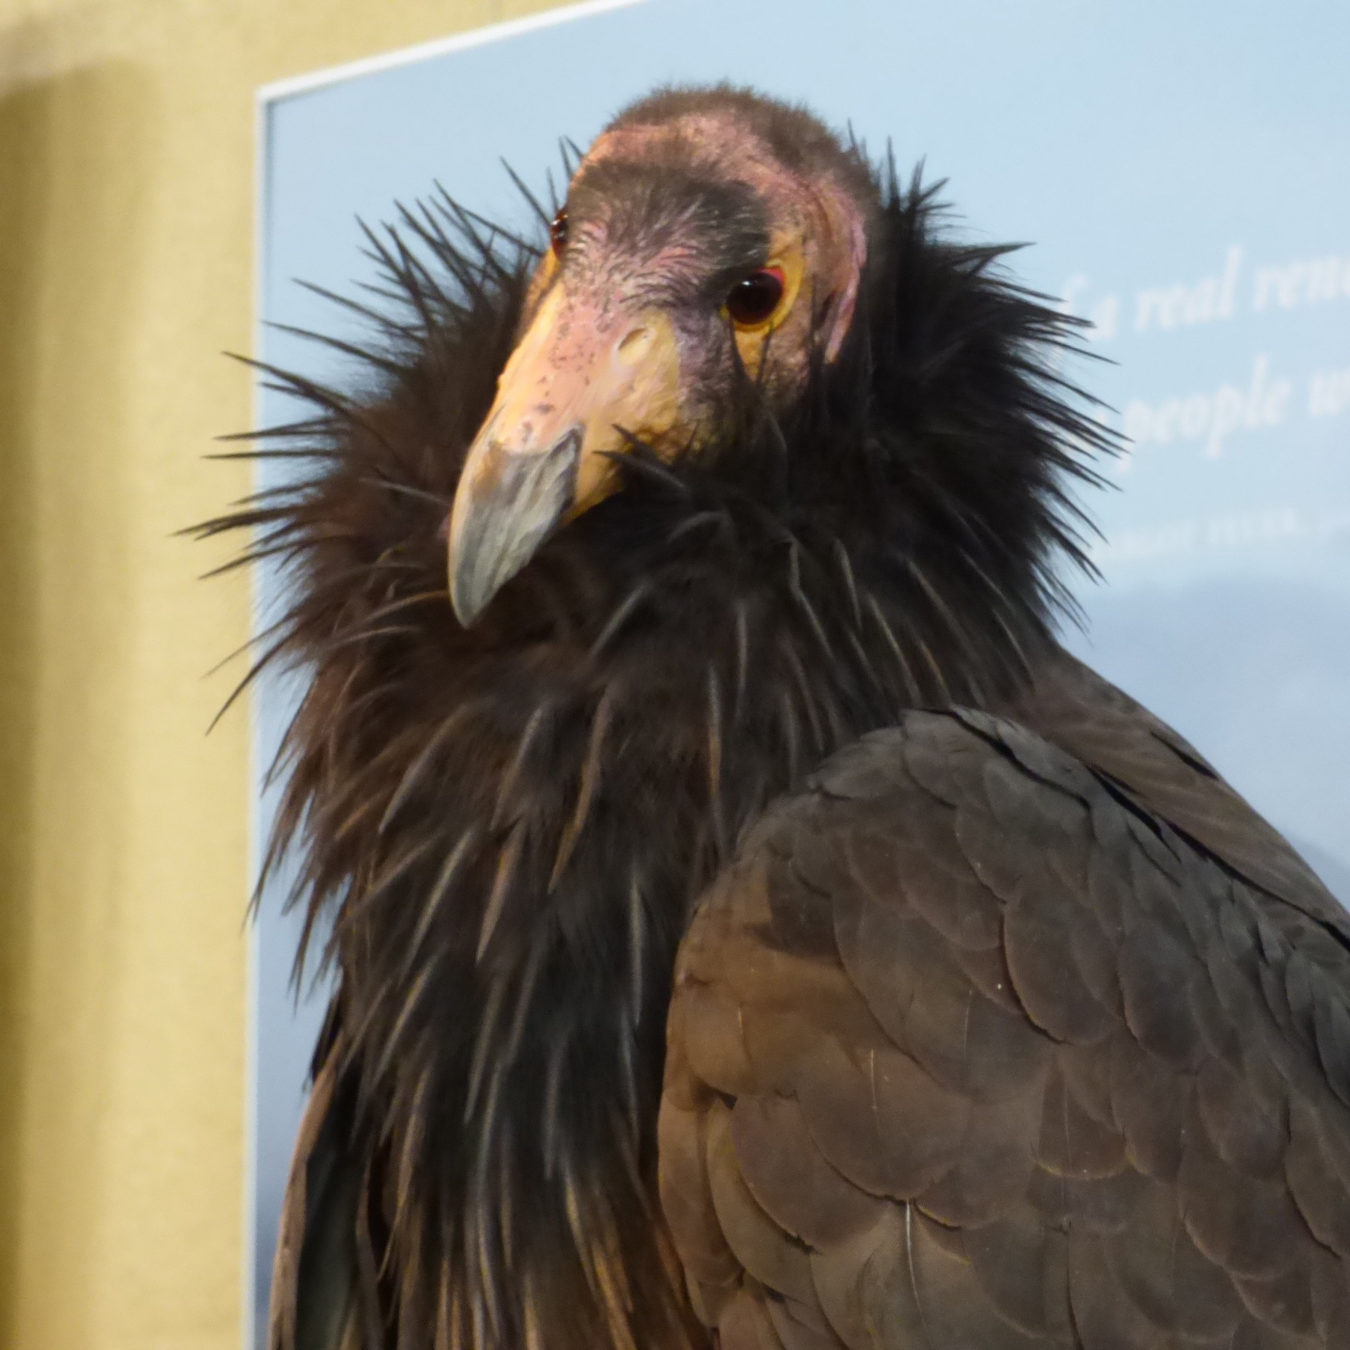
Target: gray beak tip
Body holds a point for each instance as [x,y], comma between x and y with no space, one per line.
[467,607]
[496,530]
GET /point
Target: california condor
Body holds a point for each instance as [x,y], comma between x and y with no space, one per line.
[750,928]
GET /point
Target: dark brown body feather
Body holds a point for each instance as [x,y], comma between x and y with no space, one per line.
[509,828]
[978,1045]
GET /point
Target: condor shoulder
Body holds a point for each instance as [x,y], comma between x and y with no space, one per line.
[969,1050]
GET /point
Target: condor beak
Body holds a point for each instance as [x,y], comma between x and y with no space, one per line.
[544,455]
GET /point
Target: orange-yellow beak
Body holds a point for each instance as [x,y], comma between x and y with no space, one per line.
[580,373]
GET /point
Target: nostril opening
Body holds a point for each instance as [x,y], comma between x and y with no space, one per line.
[634,344]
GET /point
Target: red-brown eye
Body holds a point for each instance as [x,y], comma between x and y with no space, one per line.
[557,232]
[753,299]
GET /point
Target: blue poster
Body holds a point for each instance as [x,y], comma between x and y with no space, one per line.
[1182,174]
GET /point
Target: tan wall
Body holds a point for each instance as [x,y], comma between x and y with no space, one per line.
[126,200]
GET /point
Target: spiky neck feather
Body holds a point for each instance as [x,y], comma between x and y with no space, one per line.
[509,825]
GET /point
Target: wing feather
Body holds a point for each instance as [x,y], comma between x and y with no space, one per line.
[970,1048]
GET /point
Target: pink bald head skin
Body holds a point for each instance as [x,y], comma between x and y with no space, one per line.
[820,209]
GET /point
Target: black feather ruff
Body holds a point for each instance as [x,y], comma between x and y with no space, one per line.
[504,828]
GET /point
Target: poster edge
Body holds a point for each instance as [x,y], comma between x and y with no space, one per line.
[290,86]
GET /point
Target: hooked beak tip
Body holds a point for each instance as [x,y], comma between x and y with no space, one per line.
[508,502]
[467,604]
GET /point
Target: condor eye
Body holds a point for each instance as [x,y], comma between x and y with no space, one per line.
[753,299]
[557,232]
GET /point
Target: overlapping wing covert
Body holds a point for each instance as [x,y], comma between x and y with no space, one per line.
[968,1051]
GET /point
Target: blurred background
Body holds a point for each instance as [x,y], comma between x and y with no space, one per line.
[169,169]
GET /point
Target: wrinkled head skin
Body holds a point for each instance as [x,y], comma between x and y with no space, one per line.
[704,243]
